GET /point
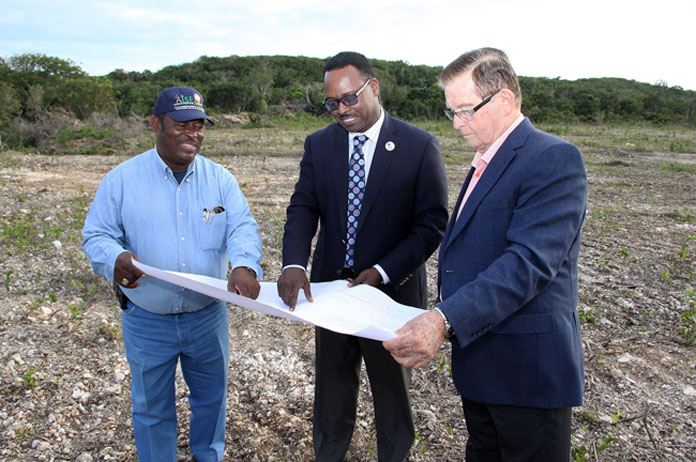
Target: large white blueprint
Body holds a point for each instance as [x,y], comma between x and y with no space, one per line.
[363,310]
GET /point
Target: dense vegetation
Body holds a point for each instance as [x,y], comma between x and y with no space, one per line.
[33,85]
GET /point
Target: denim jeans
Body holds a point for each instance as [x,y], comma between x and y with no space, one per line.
[154,344]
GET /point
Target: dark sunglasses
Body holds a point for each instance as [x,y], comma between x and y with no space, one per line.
[348,100]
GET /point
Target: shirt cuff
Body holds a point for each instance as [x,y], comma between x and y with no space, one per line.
[294,266]
[250,264]
[385,277]
[251,270]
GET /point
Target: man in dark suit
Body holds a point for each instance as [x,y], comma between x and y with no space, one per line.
[507,273]
[378,189]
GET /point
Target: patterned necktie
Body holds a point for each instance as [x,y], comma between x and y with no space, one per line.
[356,191]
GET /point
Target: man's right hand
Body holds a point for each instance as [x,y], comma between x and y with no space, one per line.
[289,285]
[125,272]
[418,341]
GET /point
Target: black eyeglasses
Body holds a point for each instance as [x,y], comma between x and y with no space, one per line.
[467,114]
[348,100]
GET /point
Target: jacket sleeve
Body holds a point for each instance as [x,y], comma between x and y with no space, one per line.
[430,217]
[302,214]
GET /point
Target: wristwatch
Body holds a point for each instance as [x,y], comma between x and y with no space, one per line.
[449,332]
[251,270]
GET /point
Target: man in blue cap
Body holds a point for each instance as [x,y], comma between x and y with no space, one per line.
[174,209]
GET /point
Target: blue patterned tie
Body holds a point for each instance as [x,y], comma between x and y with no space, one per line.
[356,191]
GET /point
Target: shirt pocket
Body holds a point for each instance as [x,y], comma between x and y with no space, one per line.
[211,233]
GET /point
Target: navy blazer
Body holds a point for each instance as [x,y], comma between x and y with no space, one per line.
[508,276]
[403,214]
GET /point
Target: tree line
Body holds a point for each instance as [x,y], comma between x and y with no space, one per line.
[34,83]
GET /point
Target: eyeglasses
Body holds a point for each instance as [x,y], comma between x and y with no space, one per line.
[467,114]
[348,100]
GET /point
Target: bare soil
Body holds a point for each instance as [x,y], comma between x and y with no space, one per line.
[64,379]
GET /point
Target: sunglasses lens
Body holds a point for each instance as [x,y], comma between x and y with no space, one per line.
[350,100]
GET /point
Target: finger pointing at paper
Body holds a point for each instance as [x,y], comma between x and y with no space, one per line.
[289,285]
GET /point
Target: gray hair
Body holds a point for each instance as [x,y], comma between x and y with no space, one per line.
[490,70]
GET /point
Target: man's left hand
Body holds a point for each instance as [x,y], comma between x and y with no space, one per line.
[418,341]
[369,276]
[243,282]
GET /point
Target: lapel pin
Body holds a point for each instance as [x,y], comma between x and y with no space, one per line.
[389,146]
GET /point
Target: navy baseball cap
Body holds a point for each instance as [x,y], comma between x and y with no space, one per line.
[181,104]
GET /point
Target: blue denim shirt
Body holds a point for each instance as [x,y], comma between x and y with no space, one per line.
[139,207]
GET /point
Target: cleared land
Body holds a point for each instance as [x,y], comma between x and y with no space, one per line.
[64,380]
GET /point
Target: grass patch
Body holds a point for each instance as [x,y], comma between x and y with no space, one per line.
[683,216]
[21,231]
[677,167]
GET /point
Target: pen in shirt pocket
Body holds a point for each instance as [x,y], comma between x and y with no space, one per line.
[208,214]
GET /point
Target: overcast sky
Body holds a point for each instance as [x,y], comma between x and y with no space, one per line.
[634,39]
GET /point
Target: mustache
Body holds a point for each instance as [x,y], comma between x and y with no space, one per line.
[188,139]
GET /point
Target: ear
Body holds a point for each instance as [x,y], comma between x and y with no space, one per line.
[155,124]
[507,101]
[375,86]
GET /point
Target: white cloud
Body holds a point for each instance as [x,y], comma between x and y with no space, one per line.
[594,38]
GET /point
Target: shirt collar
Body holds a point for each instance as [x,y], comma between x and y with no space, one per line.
[165,168]
[487,156]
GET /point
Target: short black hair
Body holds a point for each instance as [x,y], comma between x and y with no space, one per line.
[350,58]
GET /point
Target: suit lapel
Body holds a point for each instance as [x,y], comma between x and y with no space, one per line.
[489,178]
[453,218]
[381,161]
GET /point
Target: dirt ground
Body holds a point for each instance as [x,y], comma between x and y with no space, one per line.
[64,379]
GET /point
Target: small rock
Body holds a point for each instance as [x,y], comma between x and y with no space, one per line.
[624,358]
[114,389]
[40,445]
[57,244]
[690,391]
[84,457]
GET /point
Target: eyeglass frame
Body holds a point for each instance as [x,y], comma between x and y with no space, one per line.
[326,103]
[468,114]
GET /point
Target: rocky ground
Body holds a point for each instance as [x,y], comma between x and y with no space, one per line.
[64,379]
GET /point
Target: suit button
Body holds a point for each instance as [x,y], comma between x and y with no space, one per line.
[343,241]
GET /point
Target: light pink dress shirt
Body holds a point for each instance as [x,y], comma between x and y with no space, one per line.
[481,160]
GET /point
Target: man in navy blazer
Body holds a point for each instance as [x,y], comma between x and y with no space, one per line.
[507,273]
[401,219]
